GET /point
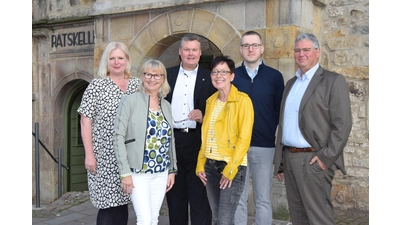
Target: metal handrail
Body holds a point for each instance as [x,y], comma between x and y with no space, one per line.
[37,162]
[54,158]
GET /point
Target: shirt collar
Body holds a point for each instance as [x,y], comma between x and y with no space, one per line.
[188,72]
[309,74]
[256,70]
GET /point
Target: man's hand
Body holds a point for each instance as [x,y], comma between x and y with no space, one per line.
[280,177]
[320,163]
[196,115]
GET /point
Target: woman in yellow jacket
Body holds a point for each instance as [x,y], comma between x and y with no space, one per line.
[226,134]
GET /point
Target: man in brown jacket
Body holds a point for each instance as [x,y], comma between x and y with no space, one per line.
[315,123]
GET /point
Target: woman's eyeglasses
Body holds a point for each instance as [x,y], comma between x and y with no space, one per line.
[222,72]
[156,76]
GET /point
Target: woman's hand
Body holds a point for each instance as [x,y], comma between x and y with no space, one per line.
[170,182]
[224,182]
[86,130]
[90,163]
[202,176]
[127,185]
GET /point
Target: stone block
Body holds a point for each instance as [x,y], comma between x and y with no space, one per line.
[279,203]
[159,28]
[235,14]
[254,15]
[291,12]
[231,49]
[121,28]
[202,22]
[139,21]
[272,13]
[287,67]
[340,58]
[136,58]
[279,42]
[180,21]
[361,73]
[344,43]
[144,41]
[221,32]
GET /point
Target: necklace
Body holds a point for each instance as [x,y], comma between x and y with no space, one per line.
[154,103]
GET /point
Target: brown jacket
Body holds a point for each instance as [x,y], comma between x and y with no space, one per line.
[325,119]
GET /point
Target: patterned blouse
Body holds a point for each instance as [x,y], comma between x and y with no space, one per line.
[158,139]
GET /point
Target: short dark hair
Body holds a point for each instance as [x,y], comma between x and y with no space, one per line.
[251,32]
[223,59]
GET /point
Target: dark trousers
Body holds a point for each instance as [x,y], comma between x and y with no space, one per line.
[223,201]
[114,215]
[188,192]
[308,189]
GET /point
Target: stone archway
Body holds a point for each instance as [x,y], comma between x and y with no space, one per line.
[66,136]
[167,28]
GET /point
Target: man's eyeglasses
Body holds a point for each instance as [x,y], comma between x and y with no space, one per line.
[304,50]
[149,75]
[255,46]
[222,72]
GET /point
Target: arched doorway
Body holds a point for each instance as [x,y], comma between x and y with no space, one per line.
[170,56]
[76,177]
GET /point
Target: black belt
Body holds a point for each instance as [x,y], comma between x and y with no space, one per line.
[295,149]
[184,130]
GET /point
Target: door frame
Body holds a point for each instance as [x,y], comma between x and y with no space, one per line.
[79,86]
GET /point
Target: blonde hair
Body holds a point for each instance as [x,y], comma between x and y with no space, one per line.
[104,61]
[156,65]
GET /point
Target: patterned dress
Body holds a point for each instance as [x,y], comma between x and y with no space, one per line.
[99,104]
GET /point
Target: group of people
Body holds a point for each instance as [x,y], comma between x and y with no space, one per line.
[195,135]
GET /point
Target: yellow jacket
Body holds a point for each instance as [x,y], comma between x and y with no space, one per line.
[233,130]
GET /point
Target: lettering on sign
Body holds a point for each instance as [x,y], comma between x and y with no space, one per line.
[72,39]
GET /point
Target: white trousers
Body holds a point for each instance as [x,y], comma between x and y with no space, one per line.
[148,196]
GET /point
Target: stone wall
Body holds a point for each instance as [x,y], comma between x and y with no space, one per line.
[345,45]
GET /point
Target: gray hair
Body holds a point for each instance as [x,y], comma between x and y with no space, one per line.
[190,37]
[310,37]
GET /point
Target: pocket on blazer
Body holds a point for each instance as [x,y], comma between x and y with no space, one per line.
[129,141]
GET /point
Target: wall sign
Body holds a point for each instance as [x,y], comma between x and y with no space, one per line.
[72,39]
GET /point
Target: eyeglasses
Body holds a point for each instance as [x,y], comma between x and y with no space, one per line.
[304,50]
[222,72]
[255,46]
[187,118]
[149,75]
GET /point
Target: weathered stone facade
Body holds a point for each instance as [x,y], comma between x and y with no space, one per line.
[152,29]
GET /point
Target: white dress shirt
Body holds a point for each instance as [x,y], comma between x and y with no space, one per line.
[291,134]
[182,98]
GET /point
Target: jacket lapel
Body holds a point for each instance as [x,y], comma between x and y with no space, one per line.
[311,87]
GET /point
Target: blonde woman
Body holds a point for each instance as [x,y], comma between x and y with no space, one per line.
[98,108]
[144,143]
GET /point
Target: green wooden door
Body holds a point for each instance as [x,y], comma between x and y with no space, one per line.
[77,178]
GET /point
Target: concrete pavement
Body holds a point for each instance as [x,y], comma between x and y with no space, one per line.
[74,208]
